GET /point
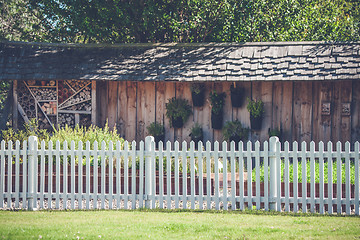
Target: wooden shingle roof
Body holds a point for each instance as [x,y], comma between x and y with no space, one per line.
[284,61]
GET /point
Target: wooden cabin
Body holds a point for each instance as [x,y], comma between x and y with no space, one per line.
[311,90]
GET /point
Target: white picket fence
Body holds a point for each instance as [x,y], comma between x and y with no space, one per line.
[130,176]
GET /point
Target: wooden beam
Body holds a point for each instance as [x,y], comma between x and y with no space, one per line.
[93,103]
[22,113]
[15,105]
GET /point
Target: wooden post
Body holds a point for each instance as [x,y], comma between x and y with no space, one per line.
[31,173]
[15,105]
[273,173]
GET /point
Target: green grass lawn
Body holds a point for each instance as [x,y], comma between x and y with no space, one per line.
[141,224]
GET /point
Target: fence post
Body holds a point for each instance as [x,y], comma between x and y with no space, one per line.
[273,172]
[148,170]
[32,160]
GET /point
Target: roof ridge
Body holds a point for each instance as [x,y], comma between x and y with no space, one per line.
[175,45]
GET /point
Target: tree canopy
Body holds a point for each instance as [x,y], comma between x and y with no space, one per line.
[125,21]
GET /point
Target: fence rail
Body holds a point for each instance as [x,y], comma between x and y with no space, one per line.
[58,176]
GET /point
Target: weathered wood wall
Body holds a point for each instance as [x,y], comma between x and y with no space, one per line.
[295,107]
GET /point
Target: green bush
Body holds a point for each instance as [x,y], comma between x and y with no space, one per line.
[84,134]
[317,174]
[30,129]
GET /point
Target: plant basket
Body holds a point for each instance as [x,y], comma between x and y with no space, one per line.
[237,98]
[216,120]
[177,122]
[198,98]
[255,122]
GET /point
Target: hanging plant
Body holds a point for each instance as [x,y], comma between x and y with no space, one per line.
[178,111]
[237,95]
[256,110]
[198,94]
[217,101]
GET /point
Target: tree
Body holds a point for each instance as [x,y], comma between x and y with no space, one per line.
[124,21]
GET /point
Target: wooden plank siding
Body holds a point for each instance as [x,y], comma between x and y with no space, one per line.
[293,107]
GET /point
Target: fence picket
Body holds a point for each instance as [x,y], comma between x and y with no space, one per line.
[249,174]
[80,174]
[286,177]
[111,173]
[103,174]
[65,174]
[95,175]
[330,169]
[141,186]
[42,173]
[192,174]
[57,166]
[357,183]
[303,178]
[338,176]
[177,194]
[2,174]
[72,178]
[17,175]
[278,173]
[9,177]
[24,182]
[233,175]
[257,176]
[153,175]
[184,174]
[241,175]
[118,174]
[321,178]
[126,175]
[201,176]
[347,177]
[295,176]
[266,175]
[225,180]
[161,175]
[217,182]
[133,173]
[312,177]
[168,175]
[50,175]
[208,175]
[88,176]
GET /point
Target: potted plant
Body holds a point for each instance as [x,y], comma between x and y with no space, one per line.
[256,110]
[197,94]
[217,101]
[196,133]
[234,131]
[178,111]
[157,130]
[236,95]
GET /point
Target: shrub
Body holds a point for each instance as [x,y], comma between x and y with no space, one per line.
[30,129]
[317,175]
